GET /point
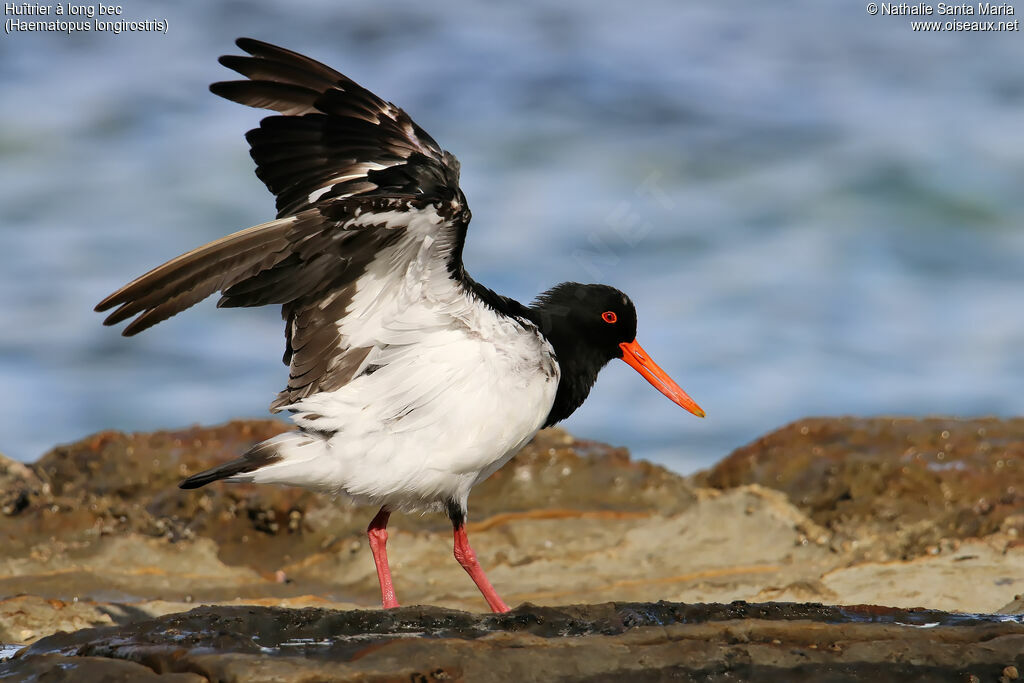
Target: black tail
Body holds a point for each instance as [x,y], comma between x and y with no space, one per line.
[228,469]
[260,455]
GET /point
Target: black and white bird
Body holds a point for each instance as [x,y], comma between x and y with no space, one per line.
[409,382]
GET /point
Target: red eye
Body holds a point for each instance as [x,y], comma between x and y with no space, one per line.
[609,317]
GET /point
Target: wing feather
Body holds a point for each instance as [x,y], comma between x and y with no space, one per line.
[188,279]
[334,138]
[314,264]
[370,217]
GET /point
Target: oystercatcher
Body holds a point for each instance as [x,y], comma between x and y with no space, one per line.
[409,382]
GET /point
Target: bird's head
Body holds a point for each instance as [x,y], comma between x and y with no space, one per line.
[590,325]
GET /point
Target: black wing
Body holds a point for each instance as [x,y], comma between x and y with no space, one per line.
[359,186]
[334,137]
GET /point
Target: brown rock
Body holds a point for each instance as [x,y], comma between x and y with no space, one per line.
[1015,606]
[57,669]
[979,569]
[727,546]
[26,618]
[103,518]
[906,485]
[115,483]
[624,641]
[18,485]
[558,471]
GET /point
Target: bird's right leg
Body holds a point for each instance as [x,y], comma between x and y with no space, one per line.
[467,558]
[377,532]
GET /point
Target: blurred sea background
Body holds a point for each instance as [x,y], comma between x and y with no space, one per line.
[816,211]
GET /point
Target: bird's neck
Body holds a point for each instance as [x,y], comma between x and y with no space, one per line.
[502,305]
[578,362]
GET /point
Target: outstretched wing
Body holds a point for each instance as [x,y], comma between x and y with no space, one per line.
[343,271]
[371,223]
[334,138]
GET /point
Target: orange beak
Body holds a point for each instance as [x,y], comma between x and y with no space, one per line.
[638,359]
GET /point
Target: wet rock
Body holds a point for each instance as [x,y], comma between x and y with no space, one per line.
[895,488]
[634,641]
[55,669]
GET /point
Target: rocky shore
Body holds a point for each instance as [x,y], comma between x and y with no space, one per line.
[109,572]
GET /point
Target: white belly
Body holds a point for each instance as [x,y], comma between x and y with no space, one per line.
[437,417]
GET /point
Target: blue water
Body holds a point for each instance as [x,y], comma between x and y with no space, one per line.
[816,211]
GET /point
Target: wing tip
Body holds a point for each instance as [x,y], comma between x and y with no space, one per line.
[116,316]
[250,45]
[136,326]
[113,319]
[218,88]
[109,301]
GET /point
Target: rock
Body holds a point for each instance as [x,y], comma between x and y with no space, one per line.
[18,484]
[1015,606]
[131,567]
[98,540]
[977,568]
[56,669]
[728,546]
[634,641]
[893,488]
[104,521]
[558,471]
[115,483]
[26,618]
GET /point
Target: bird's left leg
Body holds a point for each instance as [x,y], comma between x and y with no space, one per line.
[467,558]
[377,533]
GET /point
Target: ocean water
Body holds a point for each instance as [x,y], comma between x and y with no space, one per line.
[816,211]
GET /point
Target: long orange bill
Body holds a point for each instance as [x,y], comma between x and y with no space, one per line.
[638,359]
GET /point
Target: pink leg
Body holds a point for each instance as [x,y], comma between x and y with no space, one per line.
[467,558]
[377,532]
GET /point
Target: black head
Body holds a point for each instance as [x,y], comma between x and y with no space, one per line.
[597,318]
[589,325]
